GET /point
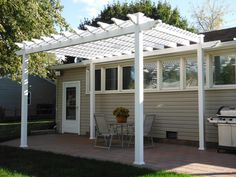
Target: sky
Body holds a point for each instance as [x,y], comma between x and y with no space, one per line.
[76,10]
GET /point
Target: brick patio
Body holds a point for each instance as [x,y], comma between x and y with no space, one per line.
[179,158]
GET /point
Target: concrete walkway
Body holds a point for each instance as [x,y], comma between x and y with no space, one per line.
[178,158]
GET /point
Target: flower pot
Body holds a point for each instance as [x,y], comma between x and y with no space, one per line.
[121,119]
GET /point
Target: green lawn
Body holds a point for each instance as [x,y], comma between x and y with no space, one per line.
[15,162]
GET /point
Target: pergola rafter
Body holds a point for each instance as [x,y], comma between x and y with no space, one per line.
[121,32]
[123,37]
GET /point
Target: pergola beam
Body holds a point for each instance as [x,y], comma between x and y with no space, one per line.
[89,38]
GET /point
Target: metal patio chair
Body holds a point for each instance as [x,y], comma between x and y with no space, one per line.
[147,129]
[103,131]
[148,124]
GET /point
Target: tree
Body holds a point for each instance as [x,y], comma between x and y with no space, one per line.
[210,15]
[23,20]
[161,10]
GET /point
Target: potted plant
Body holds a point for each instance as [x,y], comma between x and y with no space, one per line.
[121,114]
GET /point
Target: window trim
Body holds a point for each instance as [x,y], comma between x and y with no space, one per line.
[100,80]
[116,90]
[121,81]
[87,83]
[191,87]
[161,65]
[29,98]
[208,57]
[153,89]
[212,85]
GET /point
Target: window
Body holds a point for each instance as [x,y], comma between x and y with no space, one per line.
[224,70]
[128,77]
[171,74]
[111,79]
[150,76]
[191,73]
[29,98]
[98,80]
[71,103]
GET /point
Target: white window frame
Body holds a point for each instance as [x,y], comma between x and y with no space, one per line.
[111,91]
[121,79]
[98,91]
[161,65]
[185,74]
[222,86]
[29,98]
[209,71]
[159,75]
[88,82]
[154,89]
[209,57]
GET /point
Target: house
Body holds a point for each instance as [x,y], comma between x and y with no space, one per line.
[170,89]
[146,66]
[41,98]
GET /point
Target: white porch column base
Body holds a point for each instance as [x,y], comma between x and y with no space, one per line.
[201,94]
[139,154]
[92,101]
[24,102]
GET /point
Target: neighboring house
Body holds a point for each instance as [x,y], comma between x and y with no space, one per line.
[170,83]
[41,99]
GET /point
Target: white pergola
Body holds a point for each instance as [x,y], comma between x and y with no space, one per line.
[108,41]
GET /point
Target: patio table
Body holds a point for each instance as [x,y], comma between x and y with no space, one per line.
[126,125]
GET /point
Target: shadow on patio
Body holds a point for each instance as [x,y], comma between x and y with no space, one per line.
[178,158]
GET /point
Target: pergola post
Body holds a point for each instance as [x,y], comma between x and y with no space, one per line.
[24,101]
[92,100]
[201,93]
[139,154]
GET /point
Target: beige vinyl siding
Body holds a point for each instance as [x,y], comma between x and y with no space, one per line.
[176,110]
[74,75]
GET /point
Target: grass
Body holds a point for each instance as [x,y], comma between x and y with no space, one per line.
[16,162]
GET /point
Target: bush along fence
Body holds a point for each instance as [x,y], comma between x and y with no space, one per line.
[10,131]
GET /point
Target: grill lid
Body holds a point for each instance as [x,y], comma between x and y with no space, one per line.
[226,111]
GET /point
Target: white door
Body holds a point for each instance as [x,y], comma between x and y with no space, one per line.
[71,107]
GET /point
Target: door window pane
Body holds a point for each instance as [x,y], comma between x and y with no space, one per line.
[111,79]
[98,80]
[128,77]
[171,73]
[191,73]
[224,70]
[150,76]
[71,103]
